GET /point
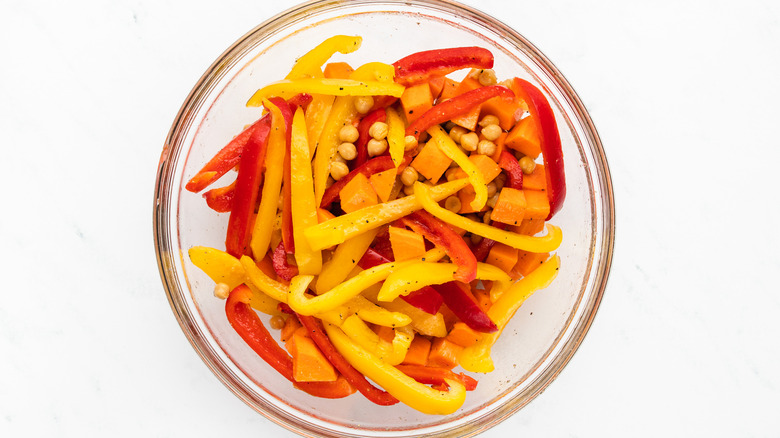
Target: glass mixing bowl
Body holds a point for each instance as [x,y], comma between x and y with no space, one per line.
[544,333]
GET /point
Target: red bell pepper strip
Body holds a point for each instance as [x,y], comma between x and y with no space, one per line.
[230,155]
[247,187]
[436,375]
[425,299]
[355,377]
[281,267]
[378,115]
[251,329]
[482,250]
[550,142]
[221,199]
[459,299]
[421,66]
[509,163]
[438,232]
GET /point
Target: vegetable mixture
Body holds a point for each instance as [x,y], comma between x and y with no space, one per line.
[390,219]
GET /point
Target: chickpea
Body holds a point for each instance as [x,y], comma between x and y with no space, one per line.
[376,147]
[528,165]
[409,143]
[457,132]
[486,217]
[221,291]
[486,147]
[452,204]
[491,202]
[469,141]
[409,176]
[348,134]
[500,181]
[276,322]
[449,125]
[363,104]
[492,132]
[348,151]
[487,77]
[489,119]
[452,174]
[378,130]
[408,190]
[329,182]
[491,189]
[338,170]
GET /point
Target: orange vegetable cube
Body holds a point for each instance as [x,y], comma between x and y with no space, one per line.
[338,70]
[448,89]
[483,299]
[291,324]
[357,194]
[486,166]
[436,85]
[416,100]
[536,180]
[463,335]
[431,162]
[527,262]
[385,333]
[529,227]
[324,215]
[444,353]
[503,257]
[406,244]
[510,207]
[309,364]
[468,120]
[418,351]
[383,183]
[538,204]
[466,196]
[508,113]
[525,138]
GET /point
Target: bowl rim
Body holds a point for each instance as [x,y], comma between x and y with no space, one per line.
[162,204]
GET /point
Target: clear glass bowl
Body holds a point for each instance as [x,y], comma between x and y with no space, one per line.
[543,335]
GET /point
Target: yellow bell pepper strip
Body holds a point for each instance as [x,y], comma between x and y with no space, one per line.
[395,136]
[274,170]
[415,395]
[422,322]
[347,290]
[262,302]
[218,265]
[453,152]
[335,87]
[310,64]
[263,282]
[304,211]
[341,114]
[412,277]
[316,115]
[374,71]
[360,333]
[337,230]
[393,353]
[344,260]
[367,311]
[429,201]
[476,358]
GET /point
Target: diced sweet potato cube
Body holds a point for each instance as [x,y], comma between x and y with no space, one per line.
[418,351]
[538,206]
[525,138]
[463,335]
[357,194]
[383,183]
[487,167]
[309,364]
[444,353]
[530,227]
[431,162]
[483,299]
[468,120]
[338,70]
[416,100]
[508,113]
[536,180]
[503,257]
[528,261]
[436,85]
[511,206]
[406,244]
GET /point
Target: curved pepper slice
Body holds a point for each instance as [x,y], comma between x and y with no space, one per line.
[367,311]
[476,358]
[441,235]
[262,281]
[248,325]
[452,151]
[311,63]
[458,298]
[221,198]
[509,163]
[330,86]
[337,230]
[413,276]
[550,142]
[546,243]
[218,265]
[421,66]
[281,267]
[344,259]
[410,392]
[436,375]
[358,380]
[455,107]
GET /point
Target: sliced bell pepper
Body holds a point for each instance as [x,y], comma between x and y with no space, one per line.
[453,152]
[441,235]
[281,267]
[395,136]
[456,106]
[370,167]
[485,245]
[344,259]
[358,380]
[221,198]
[341,114]
[436,375]
[334,87]
[249,327]
[274,174]
[287,214]
[247,187]
[304,210]
[476,358]
[262,281]
[410,392]
[422,66]
[546,243]
[542,115]
[378,115]
[218,265]
[367,311]
[310,64]
[391,352]
[458,298]
[514,172]
[337,230]
[316,116]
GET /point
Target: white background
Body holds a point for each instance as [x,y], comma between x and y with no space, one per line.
[684,94]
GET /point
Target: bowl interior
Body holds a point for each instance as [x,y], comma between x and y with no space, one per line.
[543,334]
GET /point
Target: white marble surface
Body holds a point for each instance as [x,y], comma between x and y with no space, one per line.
[684,94]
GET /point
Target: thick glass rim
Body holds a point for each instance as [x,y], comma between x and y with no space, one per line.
[164,212]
